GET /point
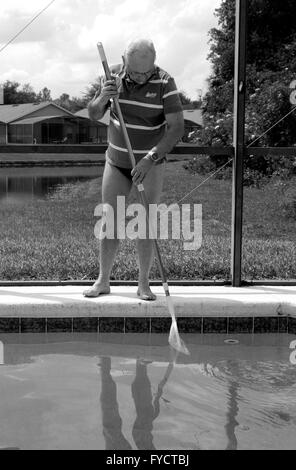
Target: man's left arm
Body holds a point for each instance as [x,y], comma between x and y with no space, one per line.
[174,132]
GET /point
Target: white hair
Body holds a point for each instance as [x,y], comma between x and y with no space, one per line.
[143,46]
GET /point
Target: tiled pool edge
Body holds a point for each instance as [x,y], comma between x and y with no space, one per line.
[199,325]
[202,309]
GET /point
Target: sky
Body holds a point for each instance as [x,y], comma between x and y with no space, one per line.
[58,50]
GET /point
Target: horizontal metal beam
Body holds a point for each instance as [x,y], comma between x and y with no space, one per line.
[51,148]
[50,164]
[270,282]
[183,148]
[262,151]
[180,149]
[197,150]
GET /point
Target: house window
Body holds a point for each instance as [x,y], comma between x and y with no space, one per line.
[20,134]
[2,134]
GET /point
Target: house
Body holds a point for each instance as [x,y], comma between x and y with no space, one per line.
[193,121]
[47,123]
[94,133]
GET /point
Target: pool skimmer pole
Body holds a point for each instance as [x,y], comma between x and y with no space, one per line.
[174,338]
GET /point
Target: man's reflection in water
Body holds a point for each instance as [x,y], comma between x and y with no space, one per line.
[147,409]
[142,395]
[112,422]
[160,387]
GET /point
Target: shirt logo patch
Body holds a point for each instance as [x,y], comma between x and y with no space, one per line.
[150,95]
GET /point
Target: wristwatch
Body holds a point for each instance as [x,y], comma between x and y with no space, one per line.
[154,157]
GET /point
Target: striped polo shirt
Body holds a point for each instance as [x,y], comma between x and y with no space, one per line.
[144,108]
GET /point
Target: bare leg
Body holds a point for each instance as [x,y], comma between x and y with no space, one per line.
[114,184]
[153,186]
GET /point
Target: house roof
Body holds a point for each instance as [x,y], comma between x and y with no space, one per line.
[84,114]
[14,112]
[193,115]
[34,119]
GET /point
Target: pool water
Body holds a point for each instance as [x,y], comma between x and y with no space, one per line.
[115,391]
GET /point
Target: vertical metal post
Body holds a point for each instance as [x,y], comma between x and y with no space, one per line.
[238,139]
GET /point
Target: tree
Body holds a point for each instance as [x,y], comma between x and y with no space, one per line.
[92,89]
[71,104]
[271,28]
[77,104]
[44,95]
[14,95]
[64,101]
[271,66]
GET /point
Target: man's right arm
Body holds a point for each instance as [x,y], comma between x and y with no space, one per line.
[99,104]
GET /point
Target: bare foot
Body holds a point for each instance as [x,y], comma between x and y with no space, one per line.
[97,289]
[145,293]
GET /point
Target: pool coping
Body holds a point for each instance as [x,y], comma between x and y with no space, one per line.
[199,309]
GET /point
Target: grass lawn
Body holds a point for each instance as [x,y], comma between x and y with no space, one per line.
[53,238]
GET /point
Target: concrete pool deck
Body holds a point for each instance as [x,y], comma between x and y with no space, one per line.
[189,301]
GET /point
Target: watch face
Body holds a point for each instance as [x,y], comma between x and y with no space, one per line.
[154,156]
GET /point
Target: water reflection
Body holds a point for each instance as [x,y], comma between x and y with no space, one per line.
[147,408]
[266,385]
[112,422]
[145,413]
[232,412]
[234,397]
[9,448]
[38,182]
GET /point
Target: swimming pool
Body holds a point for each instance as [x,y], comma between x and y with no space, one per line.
[124,391]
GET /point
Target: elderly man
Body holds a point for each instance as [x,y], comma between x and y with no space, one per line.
[152,111]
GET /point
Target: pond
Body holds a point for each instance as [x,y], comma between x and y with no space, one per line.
[38,182]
